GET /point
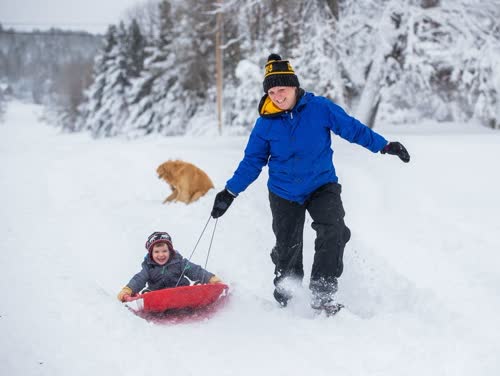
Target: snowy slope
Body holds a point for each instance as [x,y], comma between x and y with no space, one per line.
[421,271]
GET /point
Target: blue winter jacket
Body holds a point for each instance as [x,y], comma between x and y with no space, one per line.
[296,145]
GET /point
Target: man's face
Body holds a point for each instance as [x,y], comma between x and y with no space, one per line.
[284,97]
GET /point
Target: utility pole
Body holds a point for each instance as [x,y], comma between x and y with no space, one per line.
[219,64]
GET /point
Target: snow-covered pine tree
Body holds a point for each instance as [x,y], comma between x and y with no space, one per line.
[136,45]
[115,109]
[195,57]
[91,108]
[149,91]
[108,106]
[178,73]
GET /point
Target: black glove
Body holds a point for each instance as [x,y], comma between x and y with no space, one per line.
[223,200]
[395,148]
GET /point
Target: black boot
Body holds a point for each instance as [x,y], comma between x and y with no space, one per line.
[326,304]
[323,296]
[281,296]
[282,289]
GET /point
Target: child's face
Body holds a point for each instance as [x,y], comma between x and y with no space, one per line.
[160,253]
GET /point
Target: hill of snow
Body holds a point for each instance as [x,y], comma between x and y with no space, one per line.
[421,281]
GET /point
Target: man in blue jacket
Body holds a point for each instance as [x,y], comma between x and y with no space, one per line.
[293,137]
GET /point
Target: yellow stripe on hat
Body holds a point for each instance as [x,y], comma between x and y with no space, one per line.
[272,73]
[269,68]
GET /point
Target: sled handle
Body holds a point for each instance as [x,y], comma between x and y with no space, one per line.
[132,298]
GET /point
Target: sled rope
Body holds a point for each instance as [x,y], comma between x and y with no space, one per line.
[194,249]
[211,240]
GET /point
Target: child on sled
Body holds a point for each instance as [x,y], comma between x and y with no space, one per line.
[163,267]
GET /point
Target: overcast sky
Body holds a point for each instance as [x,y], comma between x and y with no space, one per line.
[89,15]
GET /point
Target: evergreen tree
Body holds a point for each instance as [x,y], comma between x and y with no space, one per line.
[93,108]
[115,111]
[150,90]
[136,53]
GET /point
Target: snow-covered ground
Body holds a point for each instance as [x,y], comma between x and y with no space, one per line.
[421,279]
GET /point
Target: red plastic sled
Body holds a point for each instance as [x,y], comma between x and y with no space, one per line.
[184,299]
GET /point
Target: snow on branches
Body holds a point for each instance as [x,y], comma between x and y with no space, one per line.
[383,60]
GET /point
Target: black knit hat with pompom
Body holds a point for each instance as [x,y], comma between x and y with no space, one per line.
[279,72]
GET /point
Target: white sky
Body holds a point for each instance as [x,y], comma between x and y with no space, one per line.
[91,15]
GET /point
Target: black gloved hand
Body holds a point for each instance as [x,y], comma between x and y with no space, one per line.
[395,148]
[223,200]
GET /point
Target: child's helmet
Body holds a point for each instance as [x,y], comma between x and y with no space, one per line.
[158,237]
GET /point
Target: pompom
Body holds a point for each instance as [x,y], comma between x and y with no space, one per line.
[274,57]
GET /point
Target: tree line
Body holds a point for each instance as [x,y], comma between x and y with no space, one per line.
[394,61]
[47,67]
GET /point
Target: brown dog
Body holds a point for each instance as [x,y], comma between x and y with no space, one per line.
[188,182]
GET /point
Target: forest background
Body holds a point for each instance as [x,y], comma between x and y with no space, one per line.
[384,61]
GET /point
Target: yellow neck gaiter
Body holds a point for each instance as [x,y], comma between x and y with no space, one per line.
[269,108]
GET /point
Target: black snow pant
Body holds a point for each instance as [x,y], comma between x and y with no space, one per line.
[327,212]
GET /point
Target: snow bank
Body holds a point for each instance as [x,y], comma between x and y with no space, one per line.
[420,282]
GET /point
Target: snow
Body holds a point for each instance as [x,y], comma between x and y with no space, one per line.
[421,271]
